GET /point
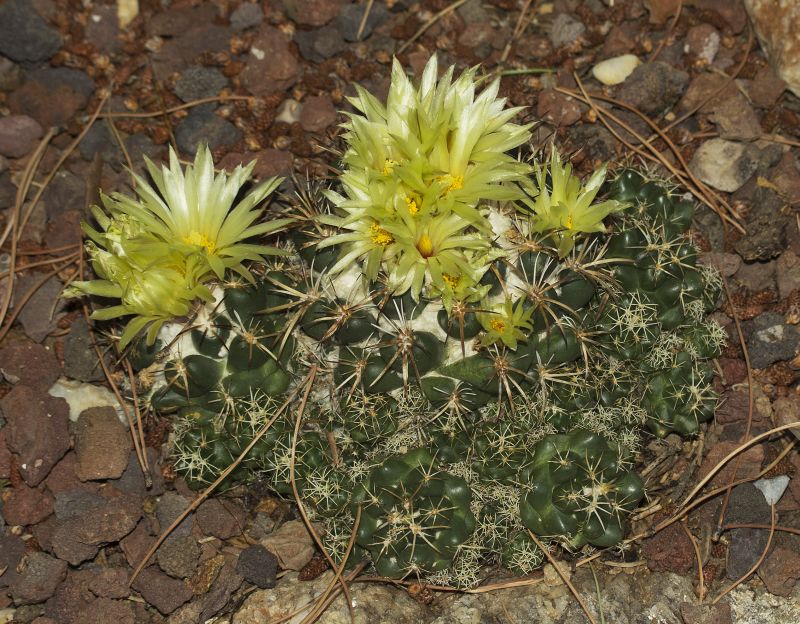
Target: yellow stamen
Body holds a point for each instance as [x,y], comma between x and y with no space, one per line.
[425,246]
[453,182]
[497,325]
[570,222]
[388,166]
[451,280]
[201,240]
[380,236]
[413,208]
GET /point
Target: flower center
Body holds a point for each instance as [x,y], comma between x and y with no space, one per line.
[451,280]
[380,236]
[497,325]
[570,222]
[388,166]
[201,240]
[425,246]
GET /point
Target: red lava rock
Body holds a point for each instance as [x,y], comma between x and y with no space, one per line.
[102,444]
[109,523]
[618,41]
[669,550]
[702,87]
[749,465]
[786,177]
[558,108]
[43,533]
[38,578]
[67,547]
[221,518]
[735,370]
[787,410]
[178,556]
[38,431]
[312,12]
[765,89]
[18,135]
[732,13]
[27,506]
[661,10]
[184,48]
[105,610]
[317,113]
[269,162]
[780,571]
[136,544]
[49,107]
[271,66]
[30,364]
[111,583]
[63,477]
[163,592]
[71,597]
[12,549]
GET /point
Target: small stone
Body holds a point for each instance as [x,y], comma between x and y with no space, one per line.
[318,45]
[176,20]
[706,91]
[317,113]
[349,20]
[247,15]
[70,597]
[137,543]
[269,162]
[706,614]
[169,507]
[615,70]
[12,549]
[746,506]
[163,592]
[102,444]
[765,225]
[187,48]
[203,127]
[724,165]
[178,556]
[18,135]
[773,488]
[787,411]
[565,30]
[83,396]
[221,518]
[653,87]
[731,14]
[258,566]
[102,28]
[291,544]
[109,523]
[39,431]
[776,23]
[62,477]
[39,576]
[669,550]
[104,610]
[111,583]
[770,339]
[75,503]
[478,37]
[702,41]
[228,581]
[736,120]
[26,506]
[661,10]
[558,108]
[99,141]
[40,315]
[198,82]
[271,66]
[312,12]
[780,571]
[24,35]
[788,273]
[765,89]
[30,364]
[49,107]
[726,263]
[132,480]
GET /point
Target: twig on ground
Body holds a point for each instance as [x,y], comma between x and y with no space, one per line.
[667,34]
[701,581]
[363,23]
[421,31]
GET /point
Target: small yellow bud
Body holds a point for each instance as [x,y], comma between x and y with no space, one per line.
[425,246]
[380,236]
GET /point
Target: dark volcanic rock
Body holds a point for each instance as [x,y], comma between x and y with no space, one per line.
[770,339]
[178,556]
[24,36]
[271,66]
[29,364]
[746,506]
[26,506]
[198,82]
[18,135]
[653,87]
[204,127]
[163,592]
[221,518]
[258,566]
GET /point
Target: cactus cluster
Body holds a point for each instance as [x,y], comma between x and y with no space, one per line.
[489,339]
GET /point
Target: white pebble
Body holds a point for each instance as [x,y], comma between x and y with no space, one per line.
[615,70]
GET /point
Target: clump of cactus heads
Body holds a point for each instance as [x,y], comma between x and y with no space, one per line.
[489,339]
